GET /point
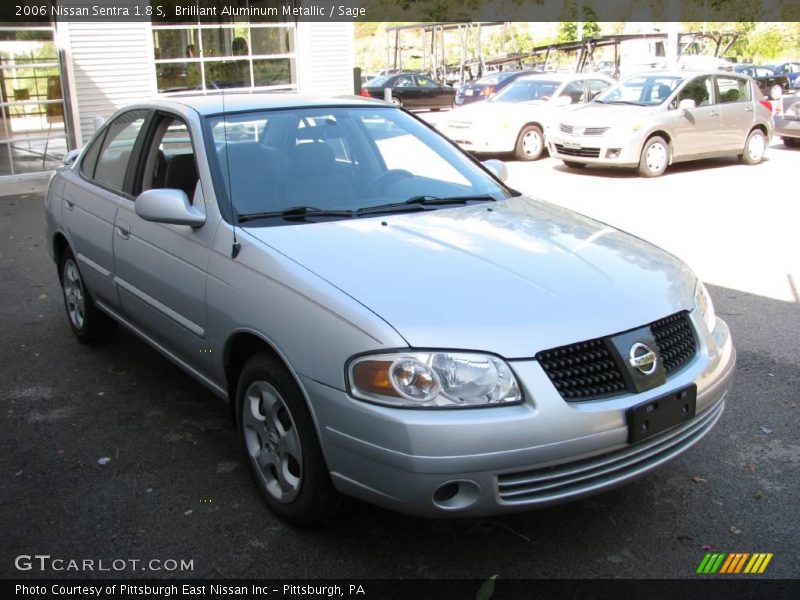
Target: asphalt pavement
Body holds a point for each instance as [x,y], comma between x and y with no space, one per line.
[113,453]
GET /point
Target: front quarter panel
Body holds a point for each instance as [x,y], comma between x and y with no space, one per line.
[312,325]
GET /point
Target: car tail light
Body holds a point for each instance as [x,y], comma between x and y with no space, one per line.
[487,91]
[766,104]
[365,93]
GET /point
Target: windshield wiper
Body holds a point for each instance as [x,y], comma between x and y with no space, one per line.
[295,212]
[419,202]
[632,102]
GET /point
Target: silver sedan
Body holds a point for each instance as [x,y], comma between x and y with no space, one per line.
[385,317]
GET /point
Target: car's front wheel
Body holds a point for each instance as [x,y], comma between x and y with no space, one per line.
[655,157]
[281,445]
[754,148]
[89,324]
[530,143]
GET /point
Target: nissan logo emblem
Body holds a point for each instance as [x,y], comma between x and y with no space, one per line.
[643,358]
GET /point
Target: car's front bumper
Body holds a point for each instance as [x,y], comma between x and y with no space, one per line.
[475,139]
[610,150]
[505,459]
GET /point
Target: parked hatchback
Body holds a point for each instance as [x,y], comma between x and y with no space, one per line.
[652,120]
[386,318]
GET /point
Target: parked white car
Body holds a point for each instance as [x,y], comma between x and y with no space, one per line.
[517,118]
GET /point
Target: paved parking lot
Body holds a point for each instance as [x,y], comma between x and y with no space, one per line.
[173,486]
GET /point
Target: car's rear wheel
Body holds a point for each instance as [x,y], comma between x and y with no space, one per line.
[281,445]
[89,324]
[397,101]
[655,157]
[571,164]
[775,91]
[530,143]
[754,148]
[791,142]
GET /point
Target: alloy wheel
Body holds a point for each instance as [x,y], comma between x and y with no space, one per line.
[74,294]
[273,442]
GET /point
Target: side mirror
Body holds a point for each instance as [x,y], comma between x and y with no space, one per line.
[71,156]
[164,205]
[687,104]
[497,167]
[562,101]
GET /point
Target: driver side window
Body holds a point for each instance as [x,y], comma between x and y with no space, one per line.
[170,161]
[699,89]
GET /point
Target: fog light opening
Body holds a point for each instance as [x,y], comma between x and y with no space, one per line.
[613,152]
[456,495]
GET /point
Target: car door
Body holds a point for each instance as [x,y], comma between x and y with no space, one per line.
[430,93]
[697,129]
[161,268]
[406,89]
[736,111]
[91,197]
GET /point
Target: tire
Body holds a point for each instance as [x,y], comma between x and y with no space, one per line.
[571,164]
[754,148]
[88,323]
[280,444]
[396,101]
[655,157]
[530,143]
[775,91]
[791,142]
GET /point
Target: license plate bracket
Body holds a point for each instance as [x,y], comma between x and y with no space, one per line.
[659,414]
[572,145]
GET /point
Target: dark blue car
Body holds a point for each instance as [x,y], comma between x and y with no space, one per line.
[486,86]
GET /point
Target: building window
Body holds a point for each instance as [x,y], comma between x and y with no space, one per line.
[236,54]
[33,136]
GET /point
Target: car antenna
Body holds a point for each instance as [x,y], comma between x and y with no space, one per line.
[236,246]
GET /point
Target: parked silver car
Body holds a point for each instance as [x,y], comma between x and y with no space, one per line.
[386,318]
[652,120]
[787,121]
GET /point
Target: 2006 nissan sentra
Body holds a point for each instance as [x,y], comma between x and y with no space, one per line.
[388,320]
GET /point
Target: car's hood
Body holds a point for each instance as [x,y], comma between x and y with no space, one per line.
[511,278]
[607,115]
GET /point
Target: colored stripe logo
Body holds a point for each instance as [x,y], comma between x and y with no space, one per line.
[734,563]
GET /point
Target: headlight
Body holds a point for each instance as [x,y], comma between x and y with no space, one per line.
[702,301]
[433,379]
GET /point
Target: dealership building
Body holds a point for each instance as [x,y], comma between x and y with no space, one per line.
[58,80]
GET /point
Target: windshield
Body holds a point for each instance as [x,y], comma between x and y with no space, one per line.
[526,90]
[340,159]
[649,90]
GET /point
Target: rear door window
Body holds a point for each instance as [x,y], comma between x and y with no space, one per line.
[117,149]
[732,89]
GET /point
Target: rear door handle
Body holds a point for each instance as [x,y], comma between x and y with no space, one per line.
[123,229]
[713,114]
[748,109]
[69,200]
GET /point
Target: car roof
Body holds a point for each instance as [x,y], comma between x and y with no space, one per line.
[217,102]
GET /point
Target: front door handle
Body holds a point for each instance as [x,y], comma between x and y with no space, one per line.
[123,229]
[713,114]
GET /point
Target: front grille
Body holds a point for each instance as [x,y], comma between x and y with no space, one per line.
[582,152]
[557,483]
[582,370]
[675,340]
[588,371]
[570,129]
